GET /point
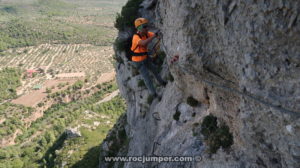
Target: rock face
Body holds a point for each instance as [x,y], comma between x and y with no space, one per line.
[241,61]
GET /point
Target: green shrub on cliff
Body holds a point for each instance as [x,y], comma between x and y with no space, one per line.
[216,136]
[128,14]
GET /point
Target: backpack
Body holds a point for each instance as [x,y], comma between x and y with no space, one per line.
[128,51]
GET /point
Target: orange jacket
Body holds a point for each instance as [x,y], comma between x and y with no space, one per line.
[139,49]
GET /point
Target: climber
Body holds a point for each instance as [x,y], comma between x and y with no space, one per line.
[140,57]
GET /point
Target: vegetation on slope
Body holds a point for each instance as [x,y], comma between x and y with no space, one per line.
[20,33]
[9,81]
[37,147]
[12,114]
[56,21]
[85,150]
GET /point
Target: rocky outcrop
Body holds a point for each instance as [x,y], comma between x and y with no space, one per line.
[240,61]
[72,133]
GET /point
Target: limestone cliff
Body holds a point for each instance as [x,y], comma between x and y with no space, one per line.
[240,61]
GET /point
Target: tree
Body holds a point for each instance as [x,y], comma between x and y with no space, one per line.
[43,142]
[3,154]
[48,90]
[78,85]
[17,163]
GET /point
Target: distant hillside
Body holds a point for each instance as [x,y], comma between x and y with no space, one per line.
[33,22]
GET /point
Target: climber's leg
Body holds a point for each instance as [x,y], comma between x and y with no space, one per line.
[153,69]
[145,75]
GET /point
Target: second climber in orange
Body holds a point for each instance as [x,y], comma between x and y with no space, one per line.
[140,56]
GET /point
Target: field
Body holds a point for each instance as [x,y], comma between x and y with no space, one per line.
[56,71]
[57,36]
[57,59]
[33,22]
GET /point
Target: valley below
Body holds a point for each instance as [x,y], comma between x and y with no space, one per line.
[57,74]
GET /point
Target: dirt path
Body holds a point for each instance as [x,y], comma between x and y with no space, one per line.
[109,97]
[106,77]
[5,101]
[53,57]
